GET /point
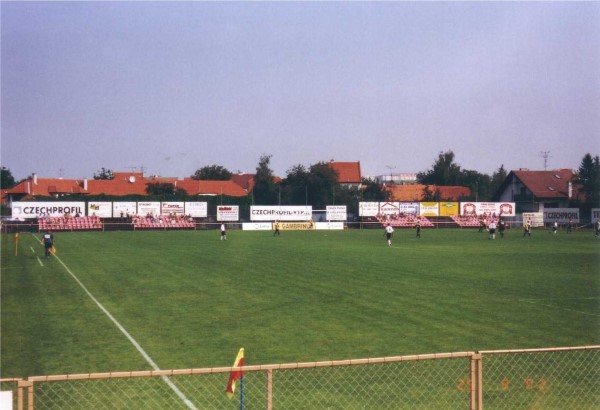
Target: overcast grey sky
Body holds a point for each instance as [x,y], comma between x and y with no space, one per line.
[177,86]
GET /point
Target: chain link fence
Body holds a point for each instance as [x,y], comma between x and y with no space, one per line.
[564,378]
[541,379]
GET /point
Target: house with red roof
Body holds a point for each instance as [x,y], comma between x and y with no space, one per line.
[349,174]
[123,184]
[533,191]
[419,192]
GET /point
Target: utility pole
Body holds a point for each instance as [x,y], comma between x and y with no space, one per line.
[390,167]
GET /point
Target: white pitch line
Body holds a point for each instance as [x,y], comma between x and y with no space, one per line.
[40,261]
[139,348]
[32,250]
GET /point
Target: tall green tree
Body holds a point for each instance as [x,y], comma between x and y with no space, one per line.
[212,173]
[372,191]
[478,183]
[323,186]
[294,186]
[265,191]
[498,178]
[7,180]
[588,177]
[443,172]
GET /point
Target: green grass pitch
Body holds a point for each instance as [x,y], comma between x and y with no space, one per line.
[191,300]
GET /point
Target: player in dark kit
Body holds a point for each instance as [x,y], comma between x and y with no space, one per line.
[48,240]
[501,228]
[418,228]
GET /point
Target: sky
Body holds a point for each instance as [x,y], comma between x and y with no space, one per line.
[169,88]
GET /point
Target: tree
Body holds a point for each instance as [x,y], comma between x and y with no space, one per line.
[265,191]
[294,186]
[443,172]
[430,194]
[372,191]
[323,185]
[104,173]
[7,180]
[478,183]
[164,189]
[588,177]
[212,173]
[498,178]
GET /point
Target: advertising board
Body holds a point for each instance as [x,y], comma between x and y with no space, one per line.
[429,208]
[561,215]
[196,209]
[122,209]
[228,213]
[488,208]
[148,208]
[336,213]
[449,208]
[34,209]
[100,209]
[168,208]
[536,219]
[280,213]
[368,208]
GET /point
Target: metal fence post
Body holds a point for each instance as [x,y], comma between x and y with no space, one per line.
[475,382]
[270,389]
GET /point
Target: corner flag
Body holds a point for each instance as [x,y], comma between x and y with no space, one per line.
[235,375]
[16,242]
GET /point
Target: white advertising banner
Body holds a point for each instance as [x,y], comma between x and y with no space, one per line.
[27,210]
[168,208]
[196,209]
[148,208]
[336,213]
[280,213]
[389,208]
[228,213]
[368,208]
[122,209]
[329,225]
[535,218]
[561,215]
[595,214]
[409,208]
[257,226]
[100,209]
[493,208]
[429,208]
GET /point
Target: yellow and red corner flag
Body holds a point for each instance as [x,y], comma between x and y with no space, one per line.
[16,242]
[234,376]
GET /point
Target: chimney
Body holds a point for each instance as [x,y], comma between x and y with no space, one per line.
[570,190]
[35,178]
[85,184]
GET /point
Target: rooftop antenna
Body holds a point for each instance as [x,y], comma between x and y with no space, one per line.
[545,155]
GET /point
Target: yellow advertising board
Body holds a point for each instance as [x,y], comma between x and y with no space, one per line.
[449,208]
[295,226]
[429,208]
